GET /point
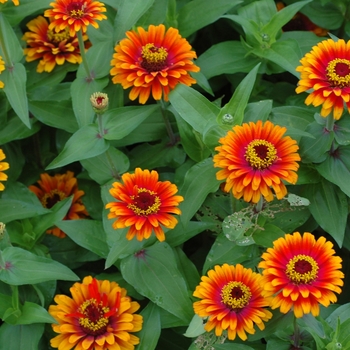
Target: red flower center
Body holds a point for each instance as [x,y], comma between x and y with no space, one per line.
[235,295]
[76,9]
[153,58]
[338,72]
[145,202]
[99,100]
[302,269]
[260,154]
[51,198]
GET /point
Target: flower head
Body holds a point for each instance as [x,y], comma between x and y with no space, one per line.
[231,298]
[52,189]
[16,2]
[301,273]
[75,15]
[99,102]
[3,166]
[326,70]
[153,61]
[144,204]
[98,316]
[256,157]
[50,47]
[2,68]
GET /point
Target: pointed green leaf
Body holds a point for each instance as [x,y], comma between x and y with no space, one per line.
[85,143]
[34,313]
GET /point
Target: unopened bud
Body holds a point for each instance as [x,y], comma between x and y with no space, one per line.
[2,230]
[99,102]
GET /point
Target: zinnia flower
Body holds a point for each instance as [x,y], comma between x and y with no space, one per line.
[326,70]
[144,204]
[255,157]
[301,273]
[2,68]
[53,189]
[231,298]
[75,15]
[3,166]
[99,316]
[49,46]
[16,2]
[153,61]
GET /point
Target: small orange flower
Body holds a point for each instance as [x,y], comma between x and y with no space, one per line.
[144,204]
[75,15]
[53,189]
[3,166]
[300,273]
[99,316]
[255,157]
[16,2]
[2,68]
[153,61]
[326,70]
[50,47]
[231,298]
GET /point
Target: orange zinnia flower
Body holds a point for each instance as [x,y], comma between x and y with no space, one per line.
[301,273]
[255,157]
[16,2]
[231,298]
[3,166]
[153,61]
[98,316]
[144,204]
[326,70]
[53,189]
[75,15]
[50,47]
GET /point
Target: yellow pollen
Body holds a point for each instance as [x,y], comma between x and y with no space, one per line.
[145,203]
[235,295]
[99,321]
[338,72]
[302,269]
[154,54]
[51,198]
[58,37]
[77,13]
[260,154]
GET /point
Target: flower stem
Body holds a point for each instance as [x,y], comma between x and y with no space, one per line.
[330,123]
[259,205]
[169,129]
[296,335]
[83,55]
[7,58]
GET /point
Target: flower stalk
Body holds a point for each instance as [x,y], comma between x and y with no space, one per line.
[83,55]
[167,123]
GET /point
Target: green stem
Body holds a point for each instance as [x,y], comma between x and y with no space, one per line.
[259,205]
[83,55]
[169,129]
[7,58]
[296,335]
[2,262]
[330,123]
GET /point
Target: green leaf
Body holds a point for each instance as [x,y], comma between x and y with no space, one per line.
[329,207]
[229,346]
[21,337]
[15,90]
[236,225]
[83,144]
[266,236]
[81,91]
[120,122]
[238,102]
[199,181]
[107,165]
[127,15]
[57,114]
[218,59]
[195,328]
[206,12]
[342,313]
[33,313]
[151,328]
[193,107]
[89,234]
[23,267]
[154,273]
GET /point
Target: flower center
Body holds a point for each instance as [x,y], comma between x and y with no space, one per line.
[260,154]
[76,9]
[93,319]
[146,202]
[302,269]
[58,37]
[338,72]
[153,57]
[235,295]
[51,198]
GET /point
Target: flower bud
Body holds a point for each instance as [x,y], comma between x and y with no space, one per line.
[99,102]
